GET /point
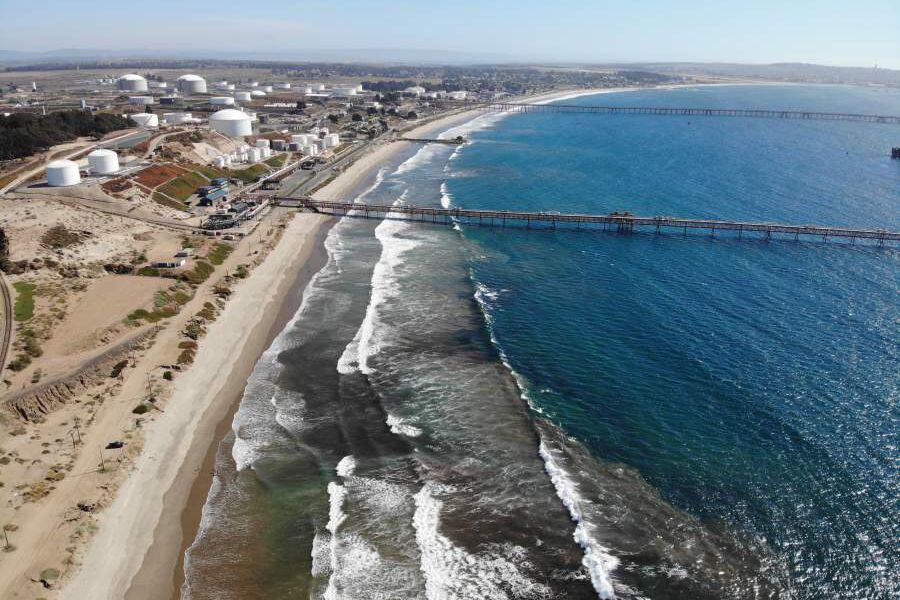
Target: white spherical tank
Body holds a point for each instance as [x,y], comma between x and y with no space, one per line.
[231,122]
[191,84]
[103,162]
[221,101]
[145,119]
[61,173]
[131,83]
[242,96]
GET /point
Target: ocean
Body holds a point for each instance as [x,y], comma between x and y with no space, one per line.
[466,412]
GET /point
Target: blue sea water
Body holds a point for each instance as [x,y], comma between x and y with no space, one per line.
[754,384]
[475,413]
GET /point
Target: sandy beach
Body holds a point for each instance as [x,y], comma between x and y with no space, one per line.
[138,550]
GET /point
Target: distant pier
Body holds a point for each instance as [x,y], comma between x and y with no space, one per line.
[525,107]
[451,141]
[622,223]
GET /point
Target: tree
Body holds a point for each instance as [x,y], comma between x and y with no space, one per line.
[412,115]
[4,251]
[356,118]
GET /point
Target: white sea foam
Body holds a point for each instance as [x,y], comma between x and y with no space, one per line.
[597,559]
[401,427]
[446,198]
[451,572]
[336,495]
[346,466]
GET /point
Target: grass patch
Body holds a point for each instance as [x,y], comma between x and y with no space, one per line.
[276,161]
[183,186]
[157,314]
[250,174]
[148,271]
[200,273]
[23,309]
[219,253]
[211,172]
[165,201]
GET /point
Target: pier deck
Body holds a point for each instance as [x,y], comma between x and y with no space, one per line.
[617,222]
[525,107]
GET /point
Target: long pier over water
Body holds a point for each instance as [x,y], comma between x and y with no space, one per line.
[524,107]
[623,223]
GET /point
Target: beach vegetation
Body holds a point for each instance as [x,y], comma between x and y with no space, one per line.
[219,253]
[59,236]
[186,357]
[200,273]
[118,368]
[23,309]
[4,251]
[141,409]
[167,375]
[148,271]
[19,363]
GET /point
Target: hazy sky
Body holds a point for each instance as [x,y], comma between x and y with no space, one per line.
[838,32]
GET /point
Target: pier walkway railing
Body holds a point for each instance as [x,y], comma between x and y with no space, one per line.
[525,107]
[615,221]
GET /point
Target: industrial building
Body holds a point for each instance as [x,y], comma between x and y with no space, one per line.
[231,122]
[103,162]
[221,101]
[190,85]
[61,173]
[131,83]
[141,100]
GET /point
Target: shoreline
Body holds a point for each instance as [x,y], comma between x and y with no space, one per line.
[161,537]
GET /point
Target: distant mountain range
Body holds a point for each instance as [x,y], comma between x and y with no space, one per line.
[367,55]
[800,72]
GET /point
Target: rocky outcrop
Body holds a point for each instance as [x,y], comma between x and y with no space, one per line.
[32,404]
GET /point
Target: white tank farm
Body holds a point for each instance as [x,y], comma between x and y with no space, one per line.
[191,84]
[61,173]
[145,119]
[131,83]
[141,100]
[242,96]
[262,143]
[257,93]
[103,162]
[254,155]
[221,101]
[231,122]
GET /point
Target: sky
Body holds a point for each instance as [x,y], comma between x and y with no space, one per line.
[834,32]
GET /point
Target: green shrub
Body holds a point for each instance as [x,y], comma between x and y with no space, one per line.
[118,368]
[148,271]
[167,375]
[141,409]
[23,309]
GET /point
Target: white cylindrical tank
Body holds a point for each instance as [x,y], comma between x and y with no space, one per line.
[267,88]
[253,84]
[231,122]
[221,101]
[242,96]
[175,118]
[332,140]
[257,93]
[145,119]
[219,162]
[320,87]
[255,155]
[282,85]
[227,160]
[229,87]
[131,83]
[159,85]
[191,84]
[262,143]
[221,85]
[141,100]
[266,152]
[61,173]
[103,162]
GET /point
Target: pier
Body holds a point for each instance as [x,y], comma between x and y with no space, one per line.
[524,107]
[451,141]
[617,222]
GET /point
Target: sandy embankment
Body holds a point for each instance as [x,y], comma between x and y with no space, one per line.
[144,532]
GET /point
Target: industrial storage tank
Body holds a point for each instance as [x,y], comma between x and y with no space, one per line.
[231,122]
[255,155]
[242,96]
[257,93]
[267,88]
[282,85]
[145,119]
[262,143]
[191,84]
[131,83]
[221,101]
[141,100]
[332,140]
[103,162]
[175,118]
[61,173]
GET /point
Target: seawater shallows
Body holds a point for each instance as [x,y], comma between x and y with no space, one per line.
[474,413]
